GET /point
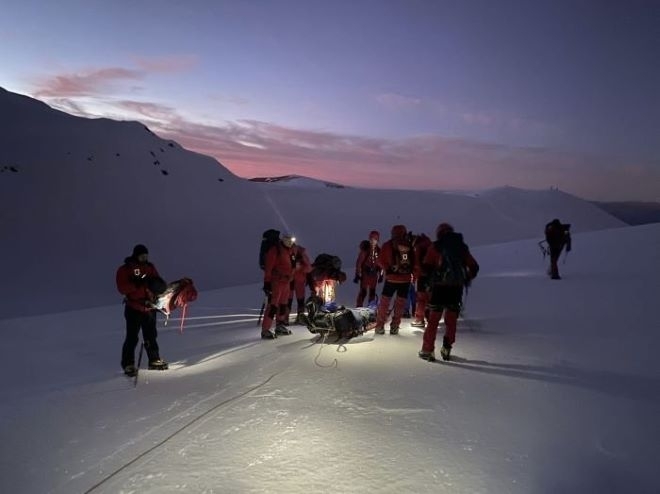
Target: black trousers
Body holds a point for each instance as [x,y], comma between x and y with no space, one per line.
[136,320]
[446,297]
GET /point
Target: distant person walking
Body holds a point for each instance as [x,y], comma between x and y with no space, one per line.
[367,271]
[134,279]
[558,236]
[449,268]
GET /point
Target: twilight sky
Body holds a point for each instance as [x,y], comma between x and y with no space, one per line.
[378,93]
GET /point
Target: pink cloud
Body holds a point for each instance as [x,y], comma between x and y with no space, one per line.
[426,162]
[252,148]
[152,111]
[84,83]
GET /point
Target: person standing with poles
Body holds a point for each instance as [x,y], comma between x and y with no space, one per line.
[558,236]
[133,278]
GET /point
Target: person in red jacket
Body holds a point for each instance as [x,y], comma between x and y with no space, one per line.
[421,244]
[302,267]
[133,279]
[278,275]
[397,260]
[450,268]
[367,270]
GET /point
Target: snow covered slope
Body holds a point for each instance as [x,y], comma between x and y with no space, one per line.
[555,387]
[85,191]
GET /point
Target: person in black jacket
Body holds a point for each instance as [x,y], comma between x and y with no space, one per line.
[558,236]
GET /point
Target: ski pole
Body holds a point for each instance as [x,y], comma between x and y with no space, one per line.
[137,369]
[261,312]
[544,250]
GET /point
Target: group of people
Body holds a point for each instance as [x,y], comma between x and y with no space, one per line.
[437,271]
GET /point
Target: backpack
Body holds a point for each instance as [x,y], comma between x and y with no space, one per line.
[452,270]
[327,263]
[558,234]
[403,257]
[177,294]
[268,239]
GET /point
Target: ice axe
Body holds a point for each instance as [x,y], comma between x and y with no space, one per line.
[261,312]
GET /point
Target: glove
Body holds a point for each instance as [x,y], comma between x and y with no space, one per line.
[268,289]
[356,279]
[380,278]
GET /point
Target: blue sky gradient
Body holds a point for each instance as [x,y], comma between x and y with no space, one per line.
[406,94]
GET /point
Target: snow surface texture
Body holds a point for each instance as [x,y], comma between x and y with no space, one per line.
[554,387]
[85,191]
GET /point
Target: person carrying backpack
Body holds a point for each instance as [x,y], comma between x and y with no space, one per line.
[278,274]
[367,272]
[558,236]
[397,260]
[450,268]
[134,279]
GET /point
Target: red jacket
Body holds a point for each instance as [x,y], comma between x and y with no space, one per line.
[397,259]
[279,264]
[303,264]
[132,279]
[421,244]
[367,262]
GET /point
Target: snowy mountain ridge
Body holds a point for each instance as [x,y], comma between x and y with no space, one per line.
[84,191]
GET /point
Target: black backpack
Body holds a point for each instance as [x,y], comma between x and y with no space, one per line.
[452,270]
[403,254]
[327,263]
[269,238]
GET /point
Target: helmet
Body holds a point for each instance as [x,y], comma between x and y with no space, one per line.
[442,229]
[399,231]
[288,239]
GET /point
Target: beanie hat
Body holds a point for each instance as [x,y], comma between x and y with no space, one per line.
[442,229]
[374,234]
[140,249]
[399,231]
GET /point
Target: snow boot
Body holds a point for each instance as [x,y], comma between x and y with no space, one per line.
[268,335]
[445,351]
[379,330]
[282,329]
[394,329]
[428,356]
[130,370]
[158,364]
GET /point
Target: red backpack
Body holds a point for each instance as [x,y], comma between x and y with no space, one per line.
[178,294]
